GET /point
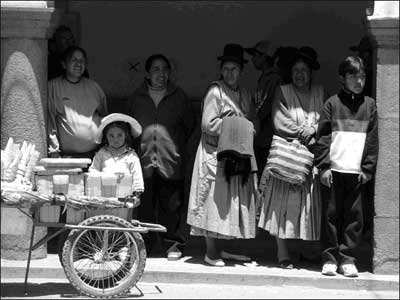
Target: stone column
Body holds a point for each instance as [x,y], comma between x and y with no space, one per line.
[384,26]
[24,33]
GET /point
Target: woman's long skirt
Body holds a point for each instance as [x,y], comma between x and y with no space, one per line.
[291,211]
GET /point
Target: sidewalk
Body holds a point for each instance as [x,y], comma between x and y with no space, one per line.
[191,269]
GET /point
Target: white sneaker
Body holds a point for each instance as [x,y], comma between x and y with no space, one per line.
[348,270]
[329,269]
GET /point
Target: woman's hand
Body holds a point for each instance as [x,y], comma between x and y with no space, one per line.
[306,134]
[326,178]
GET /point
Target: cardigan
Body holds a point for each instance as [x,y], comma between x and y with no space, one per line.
[166,130]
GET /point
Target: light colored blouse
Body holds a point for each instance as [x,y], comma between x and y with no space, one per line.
[127,162]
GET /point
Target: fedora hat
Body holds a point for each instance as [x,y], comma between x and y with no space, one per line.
[264,47]
[309,54]
[136,129]
[233,52]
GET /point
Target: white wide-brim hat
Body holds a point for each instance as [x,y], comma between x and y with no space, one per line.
[136,129]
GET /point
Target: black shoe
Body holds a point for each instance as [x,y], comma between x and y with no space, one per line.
[286,264]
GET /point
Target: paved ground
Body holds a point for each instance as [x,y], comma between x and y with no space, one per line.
[192,269]
[61,289]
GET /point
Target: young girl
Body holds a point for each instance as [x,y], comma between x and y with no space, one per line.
[115,134]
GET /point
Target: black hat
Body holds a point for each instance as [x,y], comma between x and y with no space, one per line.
[233,52]
[363,45]
[309,54]
[264,47]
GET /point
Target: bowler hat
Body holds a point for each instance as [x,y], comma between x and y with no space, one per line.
[309,54]
[135,127]
[233,52]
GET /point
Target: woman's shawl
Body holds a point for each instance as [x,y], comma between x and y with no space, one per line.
[289,115]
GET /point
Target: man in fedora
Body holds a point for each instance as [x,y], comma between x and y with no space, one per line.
[262,56]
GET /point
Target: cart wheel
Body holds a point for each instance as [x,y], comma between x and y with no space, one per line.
[104,263]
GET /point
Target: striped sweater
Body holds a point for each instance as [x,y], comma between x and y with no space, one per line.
[347,137]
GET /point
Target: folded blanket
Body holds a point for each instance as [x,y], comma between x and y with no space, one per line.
[235,145]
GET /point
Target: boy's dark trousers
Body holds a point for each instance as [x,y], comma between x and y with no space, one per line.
[162,203]
[342,222]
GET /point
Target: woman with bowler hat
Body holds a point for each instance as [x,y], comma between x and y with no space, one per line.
[222,209]
[293,211]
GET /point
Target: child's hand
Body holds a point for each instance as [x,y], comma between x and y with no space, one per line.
[326,178]
[134,199]
[364,177]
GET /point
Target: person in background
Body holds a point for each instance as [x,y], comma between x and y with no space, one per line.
[165,114]
[283,59]
[290,211]
[346,152]
[76,105]
[262,57]
[222,209]
[62,39]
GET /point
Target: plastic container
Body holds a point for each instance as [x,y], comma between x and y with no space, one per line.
[108,185]
[60,184]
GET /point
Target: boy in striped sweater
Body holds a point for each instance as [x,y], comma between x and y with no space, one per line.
[346,152]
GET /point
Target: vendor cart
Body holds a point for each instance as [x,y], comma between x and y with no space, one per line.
[103,256]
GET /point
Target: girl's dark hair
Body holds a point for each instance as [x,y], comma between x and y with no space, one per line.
[67,54]
[152,58]
[122,125]
[351,65]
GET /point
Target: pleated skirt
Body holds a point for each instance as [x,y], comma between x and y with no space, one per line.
[291,211]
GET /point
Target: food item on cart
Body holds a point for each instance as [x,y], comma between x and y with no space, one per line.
[25,153]
[31,164]
[6,156]
[11,170]
[17,162]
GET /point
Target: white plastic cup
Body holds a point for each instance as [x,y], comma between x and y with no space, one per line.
[60,184]
[108,185]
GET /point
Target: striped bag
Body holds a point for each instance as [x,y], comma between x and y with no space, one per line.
[289,161]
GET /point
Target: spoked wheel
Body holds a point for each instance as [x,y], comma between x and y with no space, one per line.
[104,263]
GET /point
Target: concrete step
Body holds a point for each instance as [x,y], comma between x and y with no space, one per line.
[192,269]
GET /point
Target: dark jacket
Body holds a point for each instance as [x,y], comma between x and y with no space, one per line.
[165,130]
[347,136]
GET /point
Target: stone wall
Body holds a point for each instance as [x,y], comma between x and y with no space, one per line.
[384,25]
